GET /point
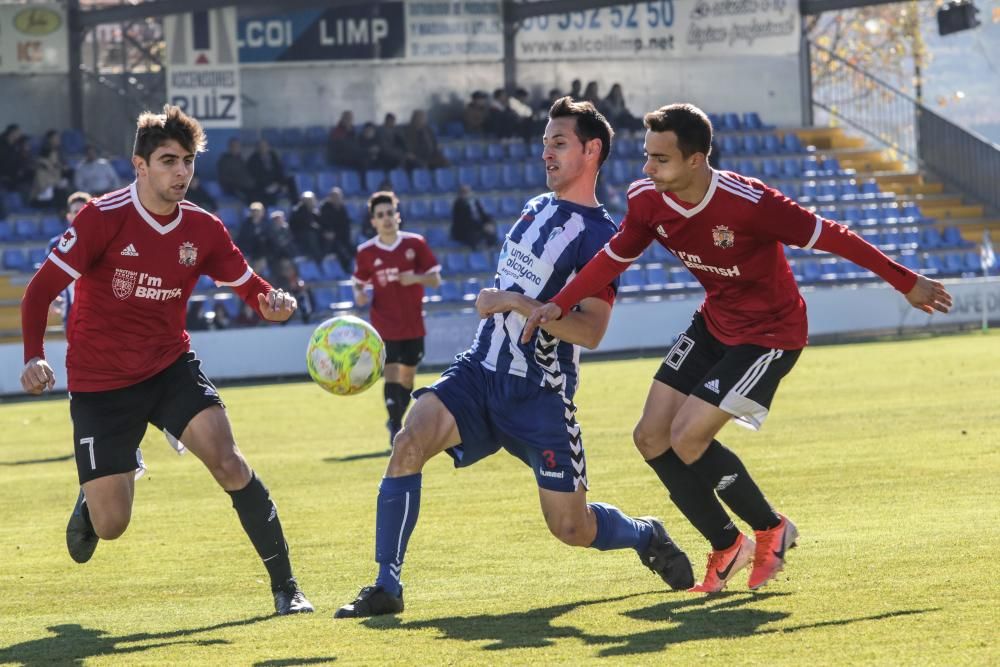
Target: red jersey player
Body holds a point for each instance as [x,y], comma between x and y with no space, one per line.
[136,255]
[397,265]
[729,230]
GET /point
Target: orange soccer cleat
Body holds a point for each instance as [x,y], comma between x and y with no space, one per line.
[723,565]
[769,557]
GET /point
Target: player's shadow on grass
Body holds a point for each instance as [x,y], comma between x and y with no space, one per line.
[689,618]
[72,644]
[291,662]
[29,462]
[381,454]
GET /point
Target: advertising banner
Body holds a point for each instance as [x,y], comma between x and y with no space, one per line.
[367,31]
[33,39]
[203,74]
[664,29]
[462,30]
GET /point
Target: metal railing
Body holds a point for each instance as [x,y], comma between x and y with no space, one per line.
[916,135]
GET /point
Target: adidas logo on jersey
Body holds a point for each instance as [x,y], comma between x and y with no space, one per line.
[713,386]
[130,251]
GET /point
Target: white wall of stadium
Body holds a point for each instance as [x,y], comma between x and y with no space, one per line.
[635,326]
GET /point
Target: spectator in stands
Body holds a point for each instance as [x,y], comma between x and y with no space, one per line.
[51,185]
[421,142]
[268,172]
[575,90]
[476,112]
[196,320]
[591,94]
[471,225]
[197,194]
[282,245]
[218,318]
[614,109]
[95,174]
[22,178]
[501,121]
[10,157]
[233,175]
[305,226]
[371,150]
[343,148]
[392,146]
[254,237]
[288,277]
[543,106]
[245,317]
[335,229]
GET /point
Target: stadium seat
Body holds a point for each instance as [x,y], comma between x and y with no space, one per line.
[474,151]
[495,152]
[455,262]
[231,217]
[26,229]
[910,260]
[480,263]
[731,121]
[792,143]
[400,180]
[470,289]
[345,292]
[489,177]
[748,168]
[38,254]
[5,231]
[512,176]
[332,270]
[422,181]
[830,166]
[534,174]
[751,144]
[14,259]
[450,292]
[517,150]
[468,174]
[930,239]
[315,135]
[490,203]
[374,178]
[770,145]
[973,262]
[272,135]
[306,181]
[452,152]
[625,147]
[72,141]
[445,180]
[323,297]
[419,210]
[953,263]
[953,238]
[850,215]
[350,183]
[325,180]
[808,192]
[308,270]
[441,208]
[791,167]
[51,226]
[633,279]
[437,237]
[656,276]
[730,145]
[770,168]
[510,206]
[292,137]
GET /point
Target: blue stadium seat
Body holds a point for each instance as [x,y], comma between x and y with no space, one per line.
[656,276]
[827,191]
[445,180]
[953,238]
[910,260]
[495,152]
[871,214]
[848,190]
[248,136]
[474,151]
[293,160]
[437,237]
[973,262]
[770,145]
[453,128]
[419,209]
[490,203]
[400,180]
[38,254]
[450,292]
[912,212]
[468,174]
[791,167]
[292,137]
[231,217]
[123,167]
[618,170]
[373,179]
[771,168]
[633,279]
[313,160]
[315,135]
[204,284]
[752,121]
[345,292]
[26,229]
[51,226]
[789,188]
[441,208]
[272,135]
[332,270]
[512,176]
[870,188]
[308,270]
[751,144]
[810,167]
[470,289]
[930,239]
[5,231]
[13,202]
[534,174]
[830,166]
[14,259]
[72,141]
[730,145]
[452,152]
[479,262]
[323,296]
[851,215]
[953,263]
[891,213]
[731,121]
[625,147]
[489,176]
[891,240]
[510,206]
[422,181]
[792,144]
[325,180]
[748,168]
[455,262]
[350,183]
[306,181]
[517,150]
[808,191]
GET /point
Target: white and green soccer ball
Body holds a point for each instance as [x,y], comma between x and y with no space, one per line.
[345,355]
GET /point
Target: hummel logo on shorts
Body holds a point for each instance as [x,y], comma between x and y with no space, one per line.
[130,251]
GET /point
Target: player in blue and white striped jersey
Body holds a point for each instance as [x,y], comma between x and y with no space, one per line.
[504,394]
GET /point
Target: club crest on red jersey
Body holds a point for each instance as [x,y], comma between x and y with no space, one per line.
[123,283]
[410,254]
[188,254]
[723,237]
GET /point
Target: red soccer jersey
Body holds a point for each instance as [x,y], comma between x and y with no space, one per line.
[396,311]
[732,242]
[134,273]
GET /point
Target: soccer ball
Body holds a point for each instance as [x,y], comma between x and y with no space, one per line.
[345,355]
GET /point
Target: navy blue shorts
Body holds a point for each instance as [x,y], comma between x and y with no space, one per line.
[534,424]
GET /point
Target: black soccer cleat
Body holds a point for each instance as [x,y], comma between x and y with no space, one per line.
[372,601]
[289,599]
[81,540]
[666,559]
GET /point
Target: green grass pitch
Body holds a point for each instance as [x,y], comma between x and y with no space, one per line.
[886,455]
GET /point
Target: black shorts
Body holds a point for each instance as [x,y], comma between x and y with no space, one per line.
[109,425]
[408,352]
[739,379]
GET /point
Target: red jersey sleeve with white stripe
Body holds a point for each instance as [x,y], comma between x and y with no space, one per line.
[786,221]
[626,246]
[44,287]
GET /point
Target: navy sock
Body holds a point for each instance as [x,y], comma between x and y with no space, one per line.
[722,470]
[695,499]
[398,507]
[617,530]
[259,517]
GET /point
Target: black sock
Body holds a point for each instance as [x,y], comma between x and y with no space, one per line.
[259,517]
[405,394]
[724,472]
[695,500]
[393,392]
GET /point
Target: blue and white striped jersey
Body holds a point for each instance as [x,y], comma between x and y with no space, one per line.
[551,241]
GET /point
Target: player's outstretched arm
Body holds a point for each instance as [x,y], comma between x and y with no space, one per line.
[929,295]
[585,326]
[543,314]
[37,376]
[277,305]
